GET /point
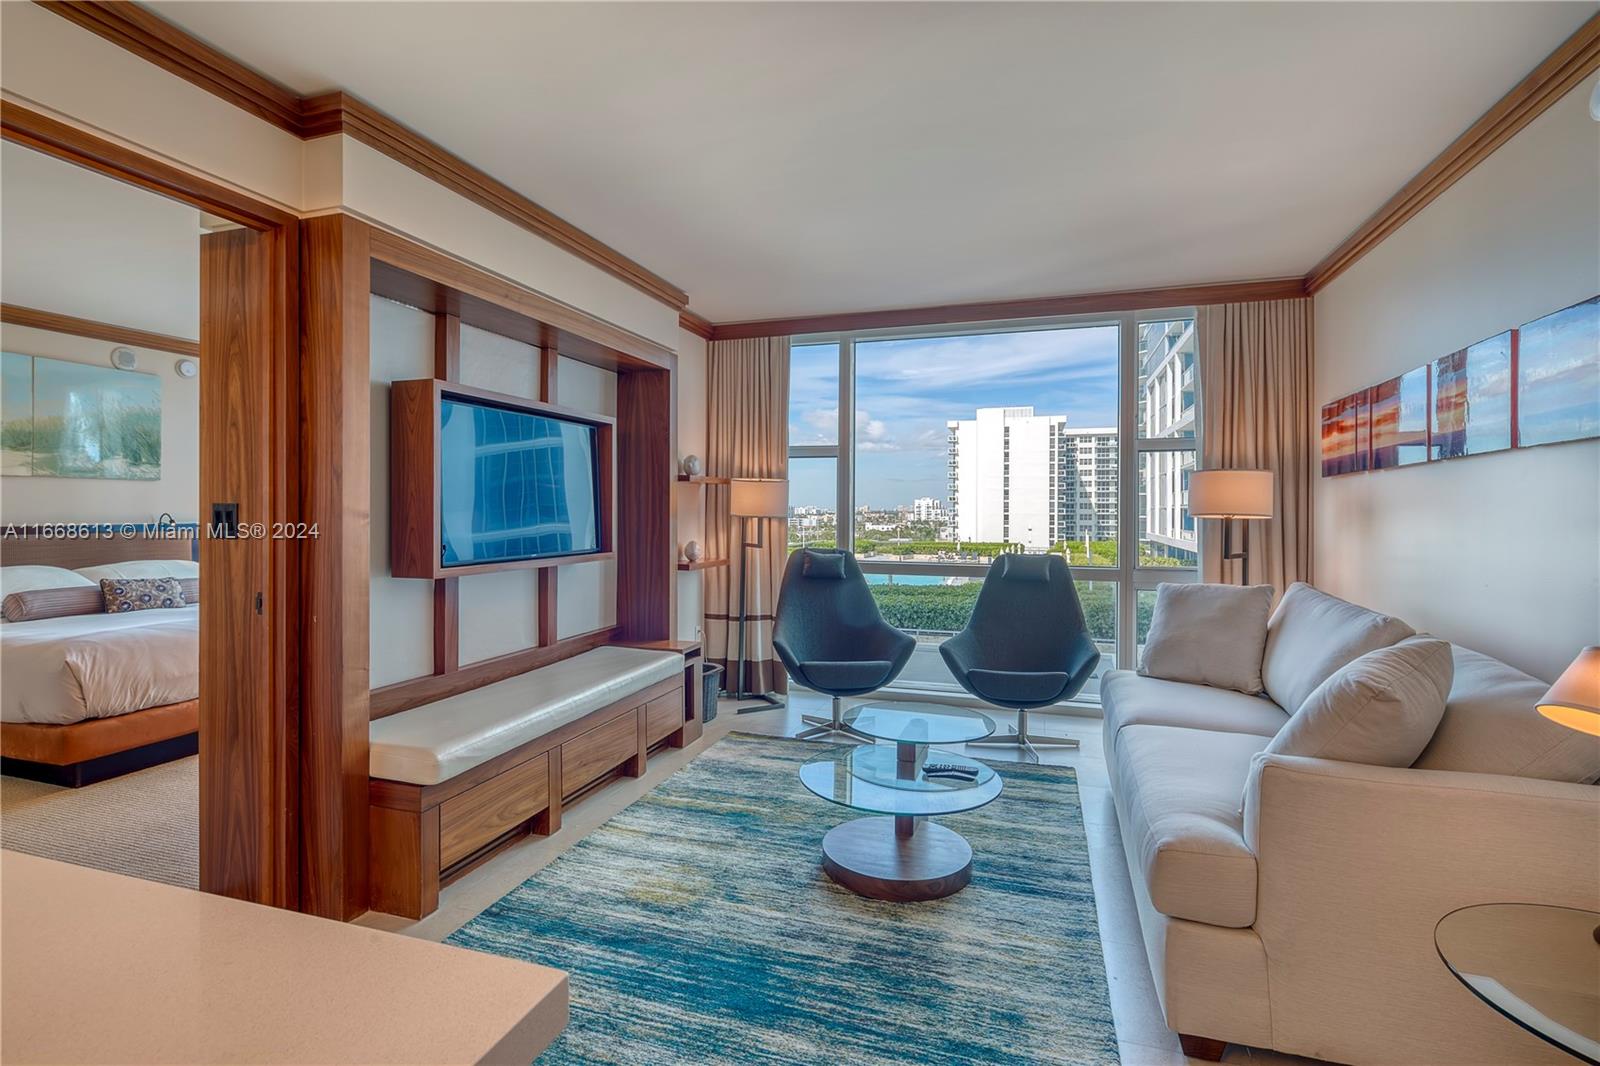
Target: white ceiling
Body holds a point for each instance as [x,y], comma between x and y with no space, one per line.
[783,159]
[82,244]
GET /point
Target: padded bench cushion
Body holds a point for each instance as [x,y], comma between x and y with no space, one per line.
[438,741]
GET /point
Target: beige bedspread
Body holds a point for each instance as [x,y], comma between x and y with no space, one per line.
[62,670]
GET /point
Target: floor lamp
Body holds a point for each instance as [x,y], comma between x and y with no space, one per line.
[1230,494]
[754,499]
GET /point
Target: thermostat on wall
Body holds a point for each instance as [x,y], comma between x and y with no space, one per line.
[124,358]
[187,368]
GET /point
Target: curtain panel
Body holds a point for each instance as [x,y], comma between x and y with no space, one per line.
[747,434]
[1257,414]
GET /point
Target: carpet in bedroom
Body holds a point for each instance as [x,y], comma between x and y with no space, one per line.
[697,926]
[144,824]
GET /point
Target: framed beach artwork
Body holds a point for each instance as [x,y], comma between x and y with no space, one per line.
[1400,420]
[1558,376]
[1472,399]
[66,419]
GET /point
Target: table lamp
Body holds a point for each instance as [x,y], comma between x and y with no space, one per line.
[1230,494]
[1574,700]
[750,498]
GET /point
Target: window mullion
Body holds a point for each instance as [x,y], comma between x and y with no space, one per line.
[845,505]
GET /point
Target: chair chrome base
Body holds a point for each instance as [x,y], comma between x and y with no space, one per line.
[826,727]
[1018,737]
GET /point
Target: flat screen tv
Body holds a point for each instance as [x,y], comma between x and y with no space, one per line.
[514,484]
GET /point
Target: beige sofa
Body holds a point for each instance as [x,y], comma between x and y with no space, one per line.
[1290,902]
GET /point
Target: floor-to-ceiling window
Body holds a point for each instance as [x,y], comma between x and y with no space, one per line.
[929,452]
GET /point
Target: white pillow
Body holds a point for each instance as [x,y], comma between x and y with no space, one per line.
[28,578]
[1312,634]
[1380,710]
[1209,635]
[142,568]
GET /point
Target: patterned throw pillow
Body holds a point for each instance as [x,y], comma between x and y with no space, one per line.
[141,593]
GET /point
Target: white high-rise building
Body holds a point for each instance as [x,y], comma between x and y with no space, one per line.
[1021,478]
[1167,409]
[927,509]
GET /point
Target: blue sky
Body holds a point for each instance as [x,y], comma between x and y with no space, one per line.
[907,389]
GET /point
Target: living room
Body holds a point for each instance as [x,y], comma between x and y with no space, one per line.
[869,533]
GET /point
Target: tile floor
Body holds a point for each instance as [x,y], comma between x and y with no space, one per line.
[1143,1038]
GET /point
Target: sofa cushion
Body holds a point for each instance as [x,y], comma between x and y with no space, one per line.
[1177,793]
[1312,634]
[1491,726]
[1380,710]
[1208,635]
[440,740]
[1128,699]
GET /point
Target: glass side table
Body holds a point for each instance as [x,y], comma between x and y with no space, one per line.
[1537,965]
[899,855]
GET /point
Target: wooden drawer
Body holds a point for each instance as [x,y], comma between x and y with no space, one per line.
[469,821]
[663,716]
[586,757]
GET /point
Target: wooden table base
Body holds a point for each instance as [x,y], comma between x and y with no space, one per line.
[870,858]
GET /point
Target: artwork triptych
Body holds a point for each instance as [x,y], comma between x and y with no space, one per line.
[1538,384]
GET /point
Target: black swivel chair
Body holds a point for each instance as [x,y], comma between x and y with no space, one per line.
[830,636]
[1026,645]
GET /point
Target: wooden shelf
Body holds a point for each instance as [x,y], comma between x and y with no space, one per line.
[703,479]
[703,564]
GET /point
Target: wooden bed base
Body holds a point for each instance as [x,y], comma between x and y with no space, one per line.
[97,748]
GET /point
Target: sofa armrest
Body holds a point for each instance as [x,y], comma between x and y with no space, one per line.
[1355,867]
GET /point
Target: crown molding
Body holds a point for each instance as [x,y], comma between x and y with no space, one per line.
[1576,58]
[1003,310]
[700,327]
[32,317]
[158,41]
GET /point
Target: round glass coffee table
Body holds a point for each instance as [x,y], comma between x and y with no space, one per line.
[899,855]
[1537,965]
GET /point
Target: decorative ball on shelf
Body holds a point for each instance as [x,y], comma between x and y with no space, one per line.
[692,551]
[693,466]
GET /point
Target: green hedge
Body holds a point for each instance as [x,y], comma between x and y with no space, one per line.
[946,608]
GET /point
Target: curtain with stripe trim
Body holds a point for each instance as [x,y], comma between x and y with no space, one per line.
[747,434]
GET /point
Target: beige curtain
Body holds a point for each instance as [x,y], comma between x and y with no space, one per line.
[747,414]
[1255,391]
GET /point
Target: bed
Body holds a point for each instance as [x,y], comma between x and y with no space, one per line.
[85,694]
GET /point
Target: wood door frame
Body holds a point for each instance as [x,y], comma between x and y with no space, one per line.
[249,824]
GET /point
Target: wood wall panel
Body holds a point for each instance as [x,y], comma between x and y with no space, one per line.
[14,315]
[414,274]
[248,711]
[647,537]
[336,389]
[404,695]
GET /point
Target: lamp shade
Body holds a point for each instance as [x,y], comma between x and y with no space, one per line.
[1230,494]
[763,497]
[1574,700]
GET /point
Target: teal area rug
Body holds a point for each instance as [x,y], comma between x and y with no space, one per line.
[698,927]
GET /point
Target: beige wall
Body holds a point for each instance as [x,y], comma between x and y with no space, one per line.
[1499,552]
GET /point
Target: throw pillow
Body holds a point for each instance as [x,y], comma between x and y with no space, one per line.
[1312,634]
[141,593]
[823,564]
[37,604]
[1208,635]
[1380,710]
